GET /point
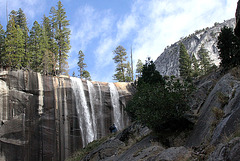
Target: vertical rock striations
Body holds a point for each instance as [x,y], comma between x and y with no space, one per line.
[48,118]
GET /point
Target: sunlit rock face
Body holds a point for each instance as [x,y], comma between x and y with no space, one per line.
[48,118]
[168,62]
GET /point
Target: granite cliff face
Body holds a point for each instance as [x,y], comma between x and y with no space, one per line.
[168,62]
[48,118]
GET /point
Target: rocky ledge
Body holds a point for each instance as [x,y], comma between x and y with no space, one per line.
[214,136]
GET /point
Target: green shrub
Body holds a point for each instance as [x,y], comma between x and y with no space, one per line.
[158,100]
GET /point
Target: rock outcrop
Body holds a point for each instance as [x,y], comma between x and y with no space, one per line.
[220,110]
[48,118]
[227,151]
[215,135]
[168,62]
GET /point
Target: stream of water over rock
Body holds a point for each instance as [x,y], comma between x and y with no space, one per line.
[49,118]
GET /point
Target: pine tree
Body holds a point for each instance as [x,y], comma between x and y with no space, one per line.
[229,47]
[2,46]
[86,75]
[129,73]
[35,47]
[45,52]
[19,55]
[196,69]
[185,62]
[51,44]
[205,61]
[120,59]
[14,44]
[62,34]
[81,64]
[81,67]
[13,15]
[21,21]
[139,68]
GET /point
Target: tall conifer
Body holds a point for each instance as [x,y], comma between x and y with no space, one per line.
[185,62]
[62,35]
[52,45]
[205,61]
[81,67]
[2,46]
[120,59]
[196,68]
[139,68]
[21,21]
[14,44]
[35,47]
[129,73]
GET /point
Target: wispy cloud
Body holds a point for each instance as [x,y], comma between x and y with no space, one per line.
[166,21]
[32,8]
[152,25]
[149,26]
[89,24]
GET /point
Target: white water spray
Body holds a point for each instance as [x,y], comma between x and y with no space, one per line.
[93,99]
[40,97]
[116,106]
[101,116]
[83,112]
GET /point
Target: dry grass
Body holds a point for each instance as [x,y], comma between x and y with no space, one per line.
[222,98]
[218,113]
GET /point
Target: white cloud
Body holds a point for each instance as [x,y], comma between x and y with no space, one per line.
[152,25]
[32,8]
[167,20]
[89,24]
[149,26]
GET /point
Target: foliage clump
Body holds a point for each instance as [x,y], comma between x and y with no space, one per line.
[43,48]
[158,100]
[191,67]
[229,48]
[124,70]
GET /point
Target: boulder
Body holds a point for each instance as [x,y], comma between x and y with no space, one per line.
[228,151]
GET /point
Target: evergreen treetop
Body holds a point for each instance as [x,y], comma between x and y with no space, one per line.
[229,48]
[120,59]
[185,62]
[139,67]
[81,67]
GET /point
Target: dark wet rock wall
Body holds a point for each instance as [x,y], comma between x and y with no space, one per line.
[39,119]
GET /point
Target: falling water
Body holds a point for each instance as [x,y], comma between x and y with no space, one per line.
[4,100]
[93,99]
[40,97]
[83,112]
[101,111]
[116,106]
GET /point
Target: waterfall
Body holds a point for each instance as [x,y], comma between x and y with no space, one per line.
[93,100]
[100,116]
[4,92]
[117,116]
[40,97]
[83,111]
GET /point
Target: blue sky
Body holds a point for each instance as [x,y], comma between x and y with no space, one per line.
[99,26]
